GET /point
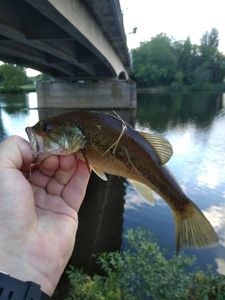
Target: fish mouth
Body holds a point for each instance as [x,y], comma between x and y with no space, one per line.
[32,139]
[36,141]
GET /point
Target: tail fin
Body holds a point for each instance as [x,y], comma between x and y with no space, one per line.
[193,229]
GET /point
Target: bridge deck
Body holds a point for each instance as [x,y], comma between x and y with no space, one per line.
[46,35]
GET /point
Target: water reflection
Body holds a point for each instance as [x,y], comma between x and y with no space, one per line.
[32,100]
[162,111]
[13,102]
[17,102]
[16,113]
[101,221]
[216,216]
[139,213]
[14,123]
[100,225]
[213,158]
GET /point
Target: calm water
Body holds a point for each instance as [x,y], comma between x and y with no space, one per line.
[195,126]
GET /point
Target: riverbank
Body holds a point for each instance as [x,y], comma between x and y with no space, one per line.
[203,87]
[156,89]
[22,89]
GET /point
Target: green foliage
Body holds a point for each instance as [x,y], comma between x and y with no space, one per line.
[163,61]
[42,77]
[178,84]
[144,272]
[155,61]
[12,77]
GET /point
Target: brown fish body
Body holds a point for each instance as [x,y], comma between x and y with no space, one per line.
[133,157]
[114,147]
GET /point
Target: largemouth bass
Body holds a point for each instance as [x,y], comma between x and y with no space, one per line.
[109,145]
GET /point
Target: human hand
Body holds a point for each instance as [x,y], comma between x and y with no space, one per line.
[38,218]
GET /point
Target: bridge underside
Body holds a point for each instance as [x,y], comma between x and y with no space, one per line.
[66,39]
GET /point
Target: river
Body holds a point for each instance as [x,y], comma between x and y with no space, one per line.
[195,126]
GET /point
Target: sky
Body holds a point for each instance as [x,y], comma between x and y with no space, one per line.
[176,18]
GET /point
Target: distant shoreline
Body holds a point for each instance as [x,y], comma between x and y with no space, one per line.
[23,89]
[157,89]
[183,89]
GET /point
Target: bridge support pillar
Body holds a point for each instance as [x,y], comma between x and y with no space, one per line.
[110,94]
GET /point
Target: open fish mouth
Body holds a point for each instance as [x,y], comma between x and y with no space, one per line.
[36,142]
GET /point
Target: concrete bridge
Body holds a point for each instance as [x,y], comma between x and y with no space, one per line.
[80,43]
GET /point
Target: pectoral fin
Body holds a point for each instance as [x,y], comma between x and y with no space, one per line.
[81,155]
[161,146]
[144,190]
[99,173]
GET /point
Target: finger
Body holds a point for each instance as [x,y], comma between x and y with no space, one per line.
[67,162]
[67,167]
[15,152]
[63,174]
[50,165]
[41,176]
[74,192]
[39,179]
[58,172]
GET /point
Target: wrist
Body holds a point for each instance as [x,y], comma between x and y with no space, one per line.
[12,288]
[23,270]
[28,258]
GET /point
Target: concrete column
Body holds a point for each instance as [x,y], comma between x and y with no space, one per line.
[110,94]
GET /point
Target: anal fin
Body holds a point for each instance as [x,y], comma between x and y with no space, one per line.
[143,190]
[99,173]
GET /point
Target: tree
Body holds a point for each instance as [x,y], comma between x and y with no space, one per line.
[12,77]
[163,61]
[155,62]
[211,57]
[210,42]
[188,58]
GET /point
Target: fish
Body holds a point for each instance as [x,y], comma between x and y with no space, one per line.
[111,146]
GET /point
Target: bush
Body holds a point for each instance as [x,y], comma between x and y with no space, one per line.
[143,272]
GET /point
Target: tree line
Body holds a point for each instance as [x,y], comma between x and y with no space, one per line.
[165,61]
[12,77]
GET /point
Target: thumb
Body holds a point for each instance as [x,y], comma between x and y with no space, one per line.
[15,152]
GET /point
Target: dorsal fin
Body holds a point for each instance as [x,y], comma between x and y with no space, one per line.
[143,190]
[161,145]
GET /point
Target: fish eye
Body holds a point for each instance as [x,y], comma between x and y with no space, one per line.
[47,127]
